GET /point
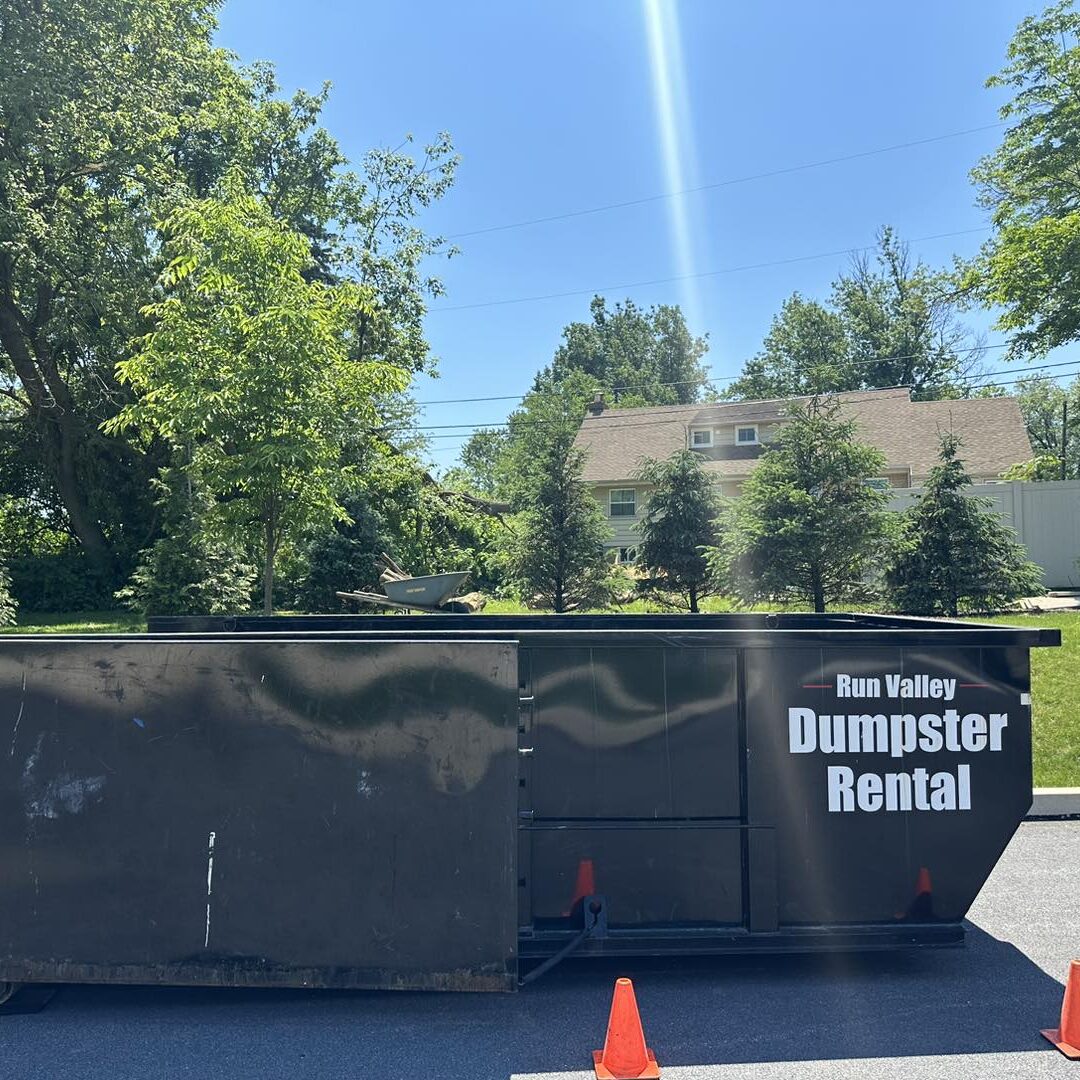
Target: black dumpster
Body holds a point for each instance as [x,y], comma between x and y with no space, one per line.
[425,802]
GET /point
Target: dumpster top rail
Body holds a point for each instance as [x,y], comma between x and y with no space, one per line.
[734,628]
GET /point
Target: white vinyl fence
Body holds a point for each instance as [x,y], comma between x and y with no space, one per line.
[1046,517]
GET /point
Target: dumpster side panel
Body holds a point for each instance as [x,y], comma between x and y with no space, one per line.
[632,785]
[259,813]
[893,777]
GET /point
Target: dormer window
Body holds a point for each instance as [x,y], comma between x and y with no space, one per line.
[700,438]
[746,435]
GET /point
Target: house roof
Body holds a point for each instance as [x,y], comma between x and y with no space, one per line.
[991,430]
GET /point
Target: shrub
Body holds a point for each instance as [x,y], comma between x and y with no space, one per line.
[186,572]
[342,558]
[60,582]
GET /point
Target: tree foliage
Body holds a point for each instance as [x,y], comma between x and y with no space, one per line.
[1052,416]
[679,523]
[185,571]
[557,552]
[1031,186]
[249,369]
[97,101]
[342,558]
[806,527]
[889,322]
[953,553]
[638,356]
[481,464]
[113,114]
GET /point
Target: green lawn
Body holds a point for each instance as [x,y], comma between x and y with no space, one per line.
[1055,676]
[79,622]
[1055,700]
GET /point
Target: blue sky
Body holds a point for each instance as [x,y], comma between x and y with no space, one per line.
[559,106]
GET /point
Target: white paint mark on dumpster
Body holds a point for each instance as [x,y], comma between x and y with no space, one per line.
[209,886]
[18,719]
[32,760]
[364,786]
[1025,699]
[66,794]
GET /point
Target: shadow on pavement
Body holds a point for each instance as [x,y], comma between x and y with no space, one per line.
[987,997]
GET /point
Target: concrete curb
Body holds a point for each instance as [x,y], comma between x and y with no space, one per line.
[1055,802]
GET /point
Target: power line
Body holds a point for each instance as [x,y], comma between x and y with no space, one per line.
[731,182]
[459,430]
[707,382]
[700,274]
[731,378]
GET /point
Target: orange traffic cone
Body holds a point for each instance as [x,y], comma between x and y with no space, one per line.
[625,1055]
[922,907]
[585,884]
[1067,1037]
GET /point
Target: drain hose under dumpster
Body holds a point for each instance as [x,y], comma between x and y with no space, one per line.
[592,910]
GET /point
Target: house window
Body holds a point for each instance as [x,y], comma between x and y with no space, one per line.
[623,556]
[746,436]
[623,502]
[878,483]
[701,437]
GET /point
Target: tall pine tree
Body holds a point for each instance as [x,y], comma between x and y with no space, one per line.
[954,553]
[806,527]
[679,522]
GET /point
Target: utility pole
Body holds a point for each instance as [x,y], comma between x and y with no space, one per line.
[1064,437]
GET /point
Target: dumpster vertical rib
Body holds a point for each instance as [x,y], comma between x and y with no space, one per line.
[744,797]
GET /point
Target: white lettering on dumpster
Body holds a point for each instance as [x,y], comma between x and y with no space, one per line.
[852,789]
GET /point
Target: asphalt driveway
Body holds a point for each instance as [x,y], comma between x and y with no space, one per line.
[974,1012]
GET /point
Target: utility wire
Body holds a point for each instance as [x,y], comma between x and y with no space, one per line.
[708,382]
[614,414]
[699,274]
[730,378]
[731,182]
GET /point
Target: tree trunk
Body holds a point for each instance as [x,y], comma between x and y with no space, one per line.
[53,411]
[268,563]
[819,592]
[693,601]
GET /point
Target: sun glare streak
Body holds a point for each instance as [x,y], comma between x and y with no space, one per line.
[673,120]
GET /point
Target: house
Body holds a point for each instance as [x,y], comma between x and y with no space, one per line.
[731,436]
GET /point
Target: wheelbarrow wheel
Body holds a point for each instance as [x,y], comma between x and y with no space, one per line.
[7,991]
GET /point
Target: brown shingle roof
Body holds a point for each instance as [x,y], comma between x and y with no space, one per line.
[991,430]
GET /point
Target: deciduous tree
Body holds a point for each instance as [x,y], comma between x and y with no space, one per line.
[1052,415]
[1031,186]
[113,113]
[890,321]
[638,356]
[249,368]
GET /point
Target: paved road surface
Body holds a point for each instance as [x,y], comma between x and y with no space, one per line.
[951,1014]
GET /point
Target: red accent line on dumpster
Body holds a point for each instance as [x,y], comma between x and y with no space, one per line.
[973,685]
[817,685]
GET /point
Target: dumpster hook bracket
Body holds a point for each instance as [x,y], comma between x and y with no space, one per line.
[594,916]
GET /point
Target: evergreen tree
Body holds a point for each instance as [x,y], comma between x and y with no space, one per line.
[954,553]
[9,606]
[343,558]
[185,572]
[557,553]
[806,526]
[679,523]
